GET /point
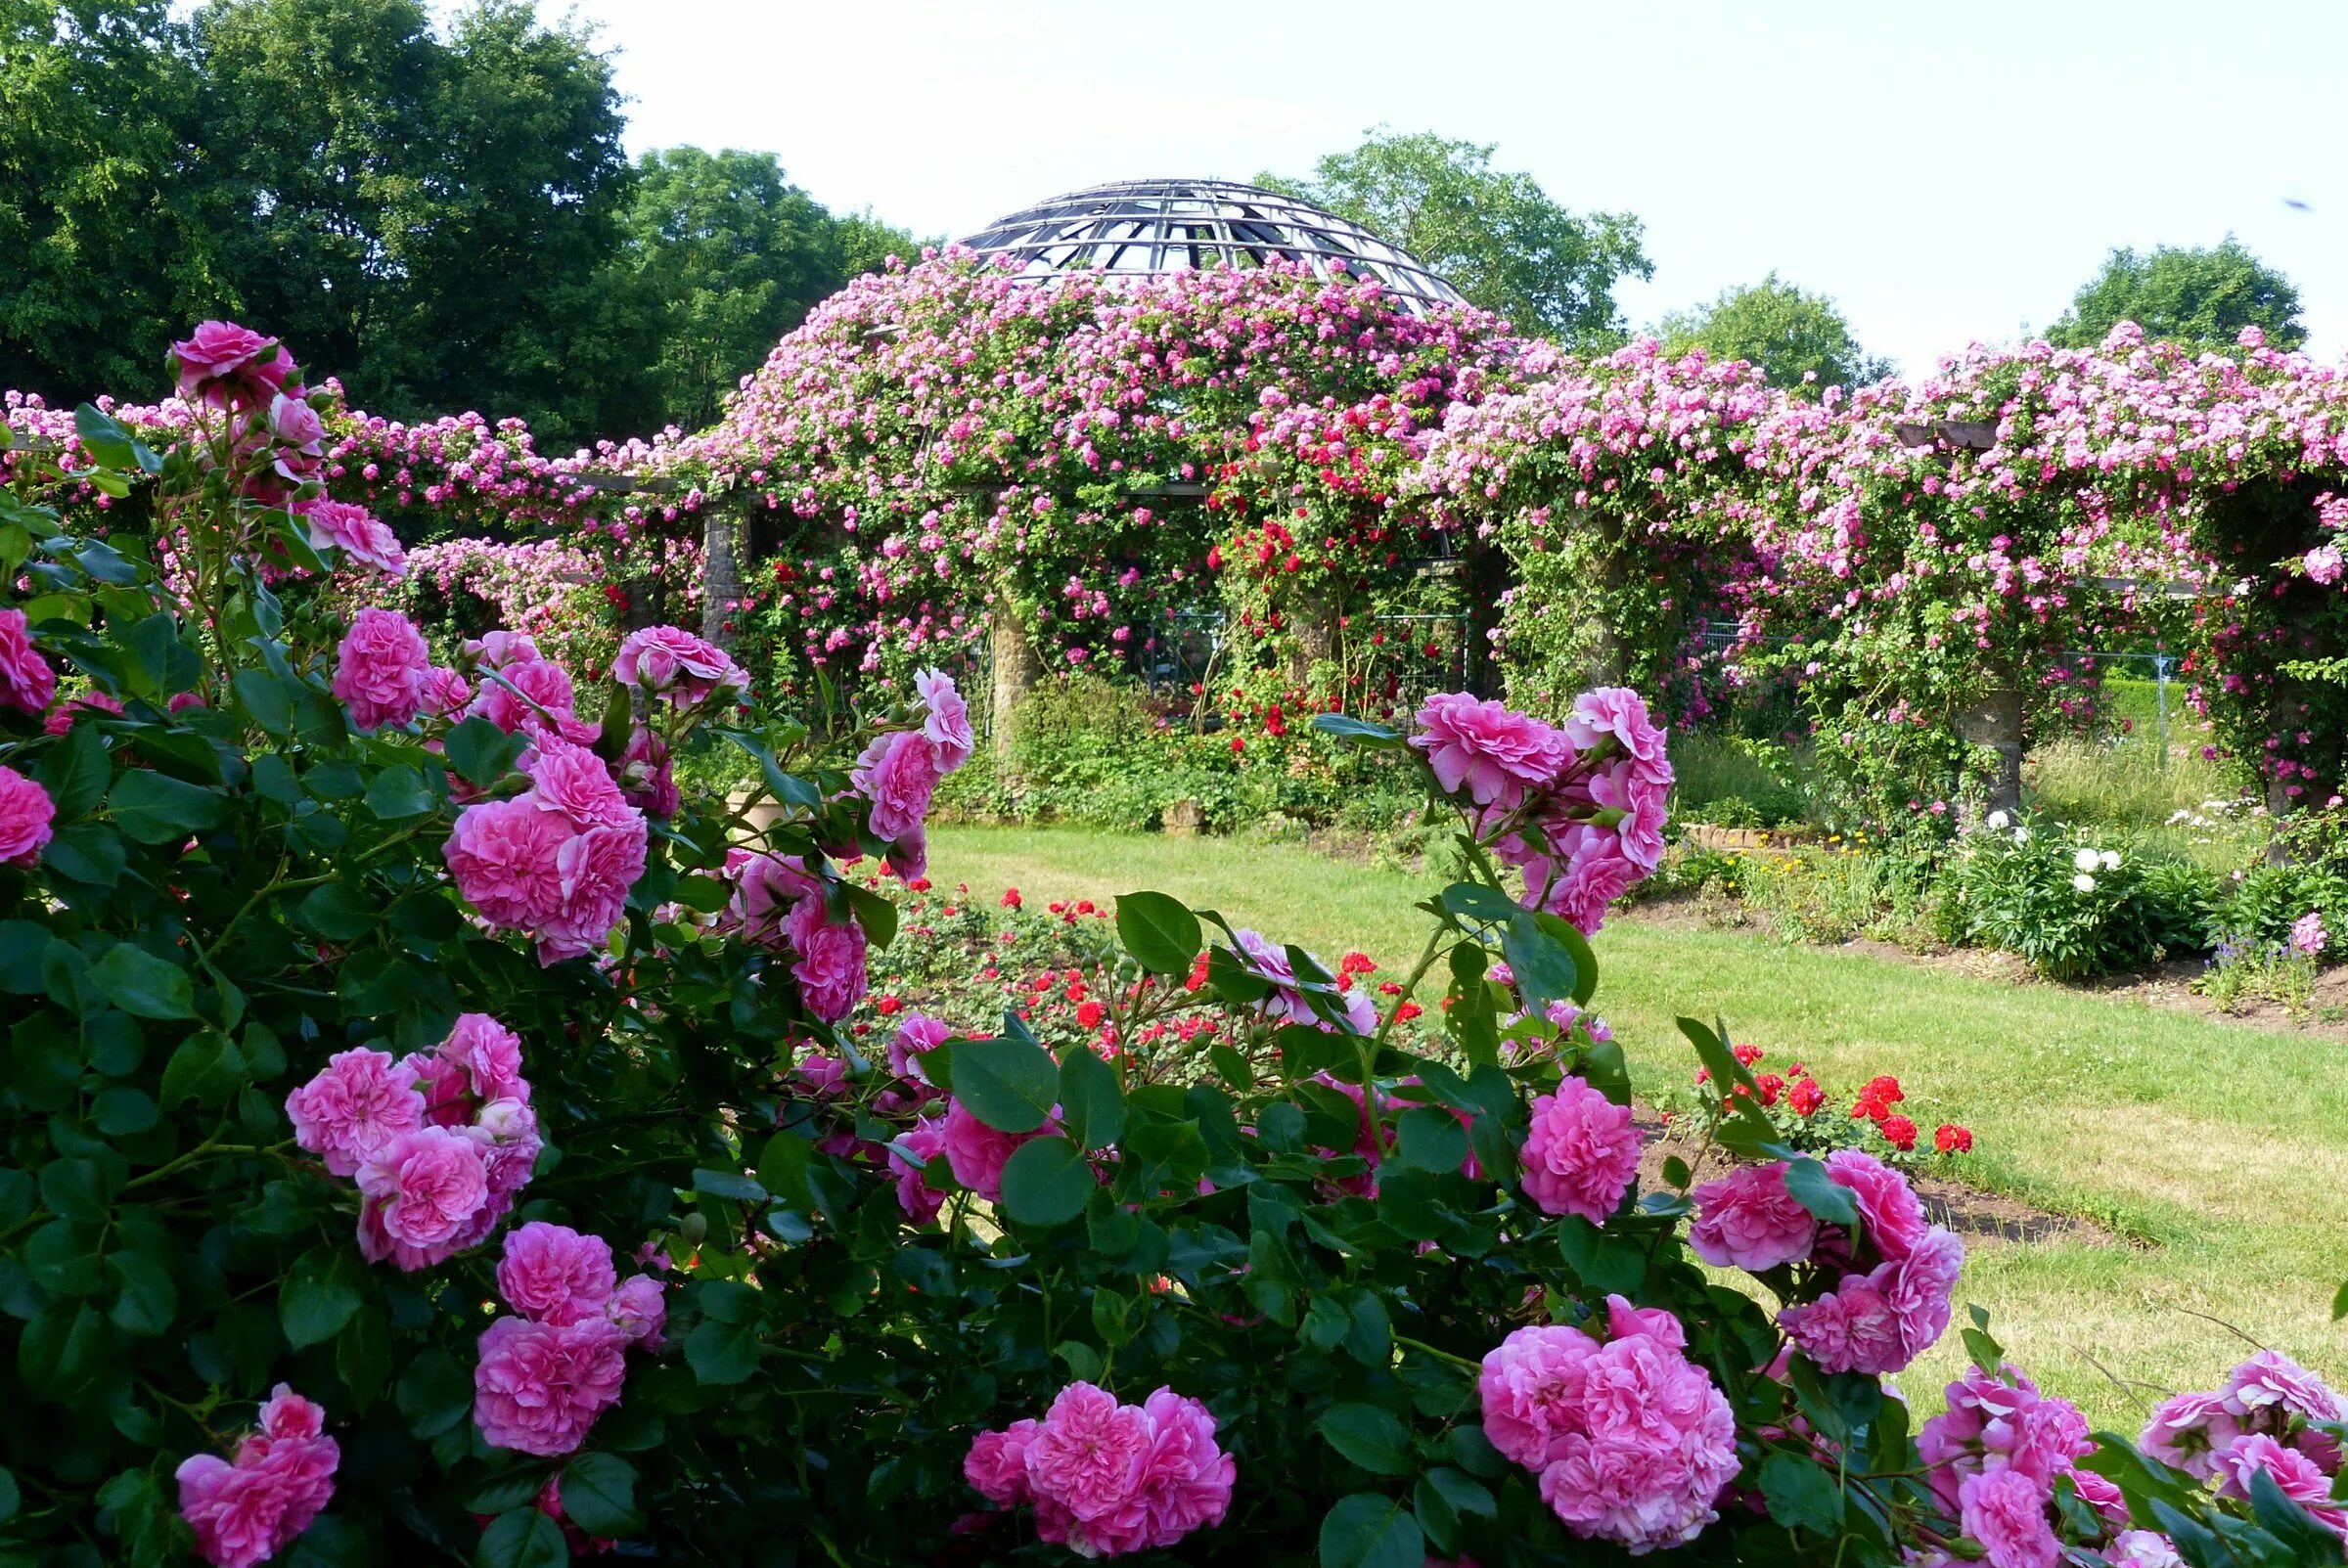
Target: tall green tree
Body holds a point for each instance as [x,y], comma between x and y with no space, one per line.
[1497,236]
[1798,338]
[731,255]
[2199,296]
[428,217]
[866,244]
[98,238]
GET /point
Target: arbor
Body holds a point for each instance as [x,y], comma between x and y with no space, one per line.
[1789,332]
[1497,236]
[2199,297]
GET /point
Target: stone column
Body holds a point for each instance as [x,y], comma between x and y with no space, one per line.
[721,573]
[1017,668]
[1994,721]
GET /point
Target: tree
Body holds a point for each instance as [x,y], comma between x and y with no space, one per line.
[866,244]
[1797,338]
[98,243]
[1497,236]
[429,218]
[2199,297]
[731,256]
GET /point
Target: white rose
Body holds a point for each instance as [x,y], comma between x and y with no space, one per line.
[2111,860]
[2084,882]
[2022,835]
[2086,860]
[1998,821]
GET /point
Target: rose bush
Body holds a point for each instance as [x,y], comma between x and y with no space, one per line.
[394,1040]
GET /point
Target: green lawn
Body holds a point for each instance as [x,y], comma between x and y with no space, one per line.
[2221,1149]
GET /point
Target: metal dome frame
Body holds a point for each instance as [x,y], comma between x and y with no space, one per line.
[1147,227]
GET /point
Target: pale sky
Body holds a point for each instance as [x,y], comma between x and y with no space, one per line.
[1948,172]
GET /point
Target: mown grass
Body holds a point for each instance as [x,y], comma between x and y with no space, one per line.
[2217,1150]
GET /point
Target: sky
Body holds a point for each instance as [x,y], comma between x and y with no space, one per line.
[1947,172]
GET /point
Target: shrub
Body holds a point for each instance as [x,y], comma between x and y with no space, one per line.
[2069,904]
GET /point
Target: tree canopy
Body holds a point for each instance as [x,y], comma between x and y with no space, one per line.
[1797,338]
[2200,297]
[440,215]
[1497,236]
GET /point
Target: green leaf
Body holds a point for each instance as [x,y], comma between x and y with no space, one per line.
[1010,1085]
[1370,1531]
[79,1189]
[2339,1302]
[339,912]
[1808,1184]
[1474,901]
[63,1350]
[146,1300]
[723,1352]
[1046,1182]
[1543,967]
[265,697]
[155,808]
[109,445]
[75,771]
[142,985]
[1801,1494]
[599,1492]
[8,1495]
[2311,1543]
[522,1537]
[1371,1437]
[317,1297]
[207,1068]
[876,914]
[480,751]
[434,1393]
[87,852]
[1161,933]
[1090,1103]
[1585,961]
[1609,1265]
[166,663]
[397,793]
[1356,732]
[728,1185]
[1432,1139]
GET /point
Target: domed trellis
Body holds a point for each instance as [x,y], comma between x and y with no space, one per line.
[1144,228]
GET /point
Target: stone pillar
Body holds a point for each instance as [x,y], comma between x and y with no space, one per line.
[1994,721]
[721,573]
[1017,668]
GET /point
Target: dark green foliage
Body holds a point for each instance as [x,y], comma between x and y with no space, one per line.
[1798,338]
[2197,295]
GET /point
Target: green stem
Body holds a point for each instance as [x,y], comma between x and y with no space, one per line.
[1425,1348]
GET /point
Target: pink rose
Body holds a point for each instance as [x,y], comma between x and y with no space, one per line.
[356,533]
[1088,1456]
[897,773]
[920,1200]
[2324,564]
[538,1387]
[573,781]
[512,1156]
[63,720]
[1747,1220]
[1878,1322]
[639,1310]
[503,855]
[531,696]
[597,868]
[1581,1152]
[354,1108]
[1641,802]
[1619,714]
[2006,1511]
[422,1191]
[26,813]
[479,1062]
[1585,871]
[1496,754]
[220,357]
[380,670]
[446,691]
[977,1152]
[25,679]
[678,666]
[766,889]
[830,967]
[947,721]
[501,649]
[646,775]
[916,1035]
[554,1274]
[997,1464]
[249,1508]
[2189,1431]
[1889,1214]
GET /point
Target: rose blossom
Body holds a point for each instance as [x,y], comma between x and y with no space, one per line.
[221,351]
[2324,564]
[25,679]
[639,1309]
[2006,1511]
[422,1190]
[829,967]
[977,1152]
[1581,1152]
[916,1033]
[380,670]
[766,888]
[538,1387]
[1583,874]
[1619,713]
[1493,752]
[503,855]
[997,1464]
[446,691]
[947,721]
[249,1508]
[915,1195]
[26,813]
[597,868]
[1879,1321]
[1892,1219]
[1747,1220]
[647,777]
[357,533]
[680,666]
[357,1103]
[479,1062]
[1107,1479]
[897,773]
[554,1274]
[571,780]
